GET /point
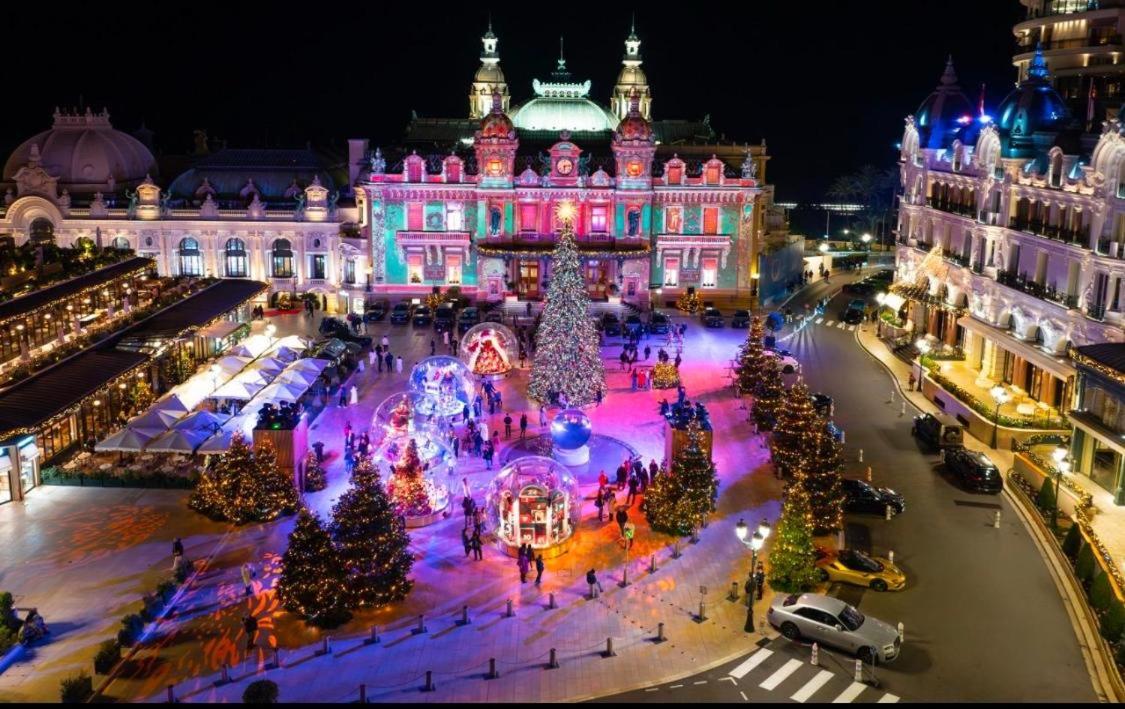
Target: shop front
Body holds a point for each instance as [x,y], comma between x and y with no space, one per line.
[19,468]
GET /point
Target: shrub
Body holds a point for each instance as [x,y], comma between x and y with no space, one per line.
[7,638]
[1046,500]
[183,571]
[152,607]
[261,691]
[1113,622]
[77,689]
[1084,566]
[1072,543]
[132,626]
[1119,654]
[165,590]
[108,655]
[1101,593]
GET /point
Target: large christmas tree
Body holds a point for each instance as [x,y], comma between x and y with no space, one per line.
[679,500]
[568,359]
[792,559]
[822,479]
[371,540]
[407,486]
[794,431]
[244,486]
[752,358]
[315,477]
[278,493]
[767,395]
[313,582]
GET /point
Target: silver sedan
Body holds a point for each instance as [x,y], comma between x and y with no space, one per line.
[830,621]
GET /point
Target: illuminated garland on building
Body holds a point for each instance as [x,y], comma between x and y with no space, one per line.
[505,252]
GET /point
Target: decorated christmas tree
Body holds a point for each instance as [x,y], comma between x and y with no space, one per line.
[679,500]
[689,302]
[792,560]
[823,481]
[487,358]
[371,541]
[568,359]
[315,477]
[313,583]
[277,492]
[794,431]
[140,396]
[245,485]
[665,375]
[407,486]
[768,395]
[752,358]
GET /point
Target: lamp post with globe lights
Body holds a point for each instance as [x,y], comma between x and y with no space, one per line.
[923,345]
[755,543]
[1001,396]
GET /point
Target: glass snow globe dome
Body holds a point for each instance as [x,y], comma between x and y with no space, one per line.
[489,350]
[445,384]
[397,420]
[534,500]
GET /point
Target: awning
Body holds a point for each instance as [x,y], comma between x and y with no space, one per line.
[894,301]
[125,440]
[1003,339]
[219,330]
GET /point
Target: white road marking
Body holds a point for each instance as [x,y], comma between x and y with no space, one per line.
[811,686]
[702,681]
[781,675]
[851,328]
[675,686]
[653,689]
[744,696]
[848,695]
[819,320]
[732,680]
[841,325]
[830,323]
[750,663]
[888,699]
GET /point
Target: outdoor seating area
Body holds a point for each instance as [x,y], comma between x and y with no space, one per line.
[1015,404]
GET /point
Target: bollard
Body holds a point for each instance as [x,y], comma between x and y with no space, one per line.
[996,522]
[702,611]
[733,595]
[363,694]
[464,616]
[843,437]
[859,670]
[869,473]
[373,638]
[891,556]
[553,663]
[510,613]
[815,655]
[652,564]
[660,633]
[225,677]
[551,602]
[609,648]
[890,512]
[420,628]
[325,646]
[892,396]
[171,695]
[902,411]
[492,673]
[901,632]
[861,455]
[429,681]
[676,549]
[624,576]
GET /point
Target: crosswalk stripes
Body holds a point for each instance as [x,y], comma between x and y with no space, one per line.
[888,699]
[819,320]
[801,681]
[751,662]
[829,323]
[819,680]
[781,675]
[848,695]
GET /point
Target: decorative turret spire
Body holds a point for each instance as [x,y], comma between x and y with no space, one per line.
[949,76]
[1038,67]
[489,78]
[633,45]
[561,75]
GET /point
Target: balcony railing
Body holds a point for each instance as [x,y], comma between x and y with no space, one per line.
[957,258]
[1037,290]
[965,210]
[1096,312]
[1078,237]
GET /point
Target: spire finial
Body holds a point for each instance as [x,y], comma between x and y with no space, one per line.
[633,23]
[949,76]
[490,21]
[1038,67]
[562,56]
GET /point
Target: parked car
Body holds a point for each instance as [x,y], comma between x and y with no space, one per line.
[863,498]
[444,318]
[741,318]
[858,568]
[941,431]
[611,326]
[338,329]
[423,316]
[830,621]
[401,313]
[786,362]
[659,324]
[376,311]
[467,319]
[634,325]
[975,471]
[494,316]
[864,287]
[823,404]
[712,318]
[853,314]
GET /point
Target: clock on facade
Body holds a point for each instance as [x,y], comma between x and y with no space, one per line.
[634,168]
[564,166]
[495,167]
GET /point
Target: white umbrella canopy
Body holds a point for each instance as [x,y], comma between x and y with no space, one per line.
[155,422]
[281,391]
[309,364]
[232,364]
[126,440]
[178,441]
[285,354]
[239,390]
[296,376]
[268,365]
[173,404]
[296,342]
[252,346]
[219,443]
[204,421]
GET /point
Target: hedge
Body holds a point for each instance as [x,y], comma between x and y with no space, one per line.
[261,691]
[1101,593]
[1072,543]
[1046,498]
[108,655]
[77,689]
[1084,566]
[1113,622]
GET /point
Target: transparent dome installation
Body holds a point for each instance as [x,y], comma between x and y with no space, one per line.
[397,420]
[489,350]
[534,500]
[446,385]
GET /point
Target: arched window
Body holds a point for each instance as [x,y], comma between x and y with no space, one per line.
[282,259]
[120,243]
[191,262]
[42,231]
[235,251]
[1054,174]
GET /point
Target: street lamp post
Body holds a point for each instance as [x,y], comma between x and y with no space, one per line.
[866,239]
[923,346]
[755,543]
[1062,465]
[1000,396]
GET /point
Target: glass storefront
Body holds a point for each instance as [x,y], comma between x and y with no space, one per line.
[5,477]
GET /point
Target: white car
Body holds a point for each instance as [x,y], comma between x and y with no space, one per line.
[786,363]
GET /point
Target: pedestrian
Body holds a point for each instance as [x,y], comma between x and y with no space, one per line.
[542,416]
[371,358]
[634,483]
[911,381]
[456,443]
[595,585]
[624,360]
[177,552]
[678,360]
[465,413]
[250,625]
[507,425]
[467,507]
[495,440]
[634,379]
[388,360]
[523,425]
[353,395]
[523,565]
[487,454]
[445,337]
[491,406]
[622,476]
[499,399]
[398,365]
[379,358]
[759,580]
[539,567]
[343,397]
[466,540]
[599,502]
[603,479]
[475,541]
[598,396]
[523,358]
[648,351]
[433,347]
[385,342]
[478,443]
[621,516]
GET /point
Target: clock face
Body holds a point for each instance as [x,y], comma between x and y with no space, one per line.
[564,166]
[634,168]
[495,167]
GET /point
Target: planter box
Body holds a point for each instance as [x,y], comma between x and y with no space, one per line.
[675,440]
[1068,501]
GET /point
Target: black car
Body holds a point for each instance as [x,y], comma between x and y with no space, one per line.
[974,470]
[400,314]
[340,330]
[376,312]
[611,326]
[712,318]
[741,318]
[852,316]
[941,431]
[634,326]
[659,324]
[423,316]
[467,319]
[823,405]
[861,288]
[444,317]
[864,498]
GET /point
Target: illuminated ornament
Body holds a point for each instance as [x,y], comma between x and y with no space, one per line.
[566,211]
[571,430]
[488,349]
[443,386]
[634,168]
[495,167]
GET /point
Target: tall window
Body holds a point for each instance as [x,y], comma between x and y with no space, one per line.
[318,269]
[675,174]
[453,269]
[709,272]
[42,231]
[414,268]
[191,262]
[415,216]
[282,259]
[235,252]
[674,220]
[349,271]
[710,220]
[671,271]
[712,175]
[598,224]
[529,217]
[454,216]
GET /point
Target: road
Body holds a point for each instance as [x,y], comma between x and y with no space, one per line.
[983,619]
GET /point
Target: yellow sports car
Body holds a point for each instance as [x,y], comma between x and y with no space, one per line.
[860,569]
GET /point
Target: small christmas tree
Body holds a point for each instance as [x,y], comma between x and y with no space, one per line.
[794,431]
[689,302]
[228,490]
[822,480]
[487,358]
[313,583]
[665,376]
[315,477]
[678,501]
[407,486]
[277,494]
[752,358]
[141,394]
[767,395]
[793,557]
[371,540]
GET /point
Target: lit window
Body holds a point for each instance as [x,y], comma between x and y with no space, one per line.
[414,271]
[674,220]
[235,258]
[453,269]
[454,216]
[710,220]
[415,216]
[529,215]
[671,271]
[709,272]
[282,259]
[712,175]
[191,262]
[598,219]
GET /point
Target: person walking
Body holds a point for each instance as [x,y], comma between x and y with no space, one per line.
[247,580]
[250,625]
[542,417]
[634,484]
[385,342]
[398,365]
[622,517]
[343,402]
[594,584]
[433,347]
[648,351]
[633,378]
[455,441]
[523,425]
[466,540]
[475,541]
[539,567]
[599,503]
[507,426]
[467,506]
[759,580]
[622,476]
[389,360]
[523,565]
[487,454]
[379,358]
[678,360]
[653,470]
[523,358]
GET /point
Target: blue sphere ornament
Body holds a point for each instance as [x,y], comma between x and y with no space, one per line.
[571,429]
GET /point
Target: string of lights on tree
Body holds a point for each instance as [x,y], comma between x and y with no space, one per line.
[679,500]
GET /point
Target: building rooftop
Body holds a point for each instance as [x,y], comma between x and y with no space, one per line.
[1107,358]
[23,305]
[196,311]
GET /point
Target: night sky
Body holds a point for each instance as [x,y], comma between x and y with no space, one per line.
[826,83]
